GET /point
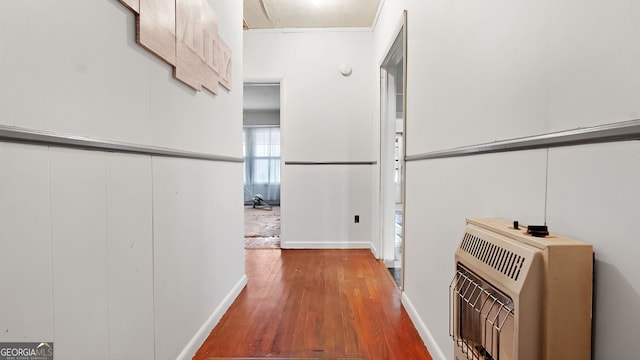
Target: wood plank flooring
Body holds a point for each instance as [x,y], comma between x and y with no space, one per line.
[315,304]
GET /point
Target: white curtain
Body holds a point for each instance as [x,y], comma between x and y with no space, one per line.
[262,163]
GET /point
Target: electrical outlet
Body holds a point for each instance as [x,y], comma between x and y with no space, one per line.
[356,219]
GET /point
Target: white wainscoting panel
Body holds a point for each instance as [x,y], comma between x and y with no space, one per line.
[130,256]
[25,244]
[79,238]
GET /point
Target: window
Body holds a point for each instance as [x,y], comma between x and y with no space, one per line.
[261,150]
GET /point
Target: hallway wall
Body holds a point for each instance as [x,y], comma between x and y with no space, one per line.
[326,117]
[479,72]
[114,256]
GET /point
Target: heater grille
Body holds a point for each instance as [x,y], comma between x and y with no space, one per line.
[484,312]
[499,258]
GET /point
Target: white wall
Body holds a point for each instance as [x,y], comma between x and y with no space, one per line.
[494,70]
[594,51]
[114,256]
[325,117]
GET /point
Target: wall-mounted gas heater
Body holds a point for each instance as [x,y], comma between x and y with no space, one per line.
[518,296]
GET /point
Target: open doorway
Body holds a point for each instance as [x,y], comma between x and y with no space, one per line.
[392,151]
[261,151]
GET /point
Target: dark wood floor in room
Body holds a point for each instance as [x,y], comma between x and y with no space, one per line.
[318,304]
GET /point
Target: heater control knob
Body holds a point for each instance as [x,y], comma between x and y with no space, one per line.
[538,230]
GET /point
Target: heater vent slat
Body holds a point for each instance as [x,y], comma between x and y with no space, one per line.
[499,258]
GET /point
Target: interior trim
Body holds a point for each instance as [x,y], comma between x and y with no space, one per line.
[425,333]
[619,131]
[330,162]
[50,138]
[201,335]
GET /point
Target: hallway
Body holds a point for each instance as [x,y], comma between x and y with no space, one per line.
[319,304]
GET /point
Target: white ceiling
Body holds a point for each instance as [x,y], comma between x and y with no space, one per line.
[271,14]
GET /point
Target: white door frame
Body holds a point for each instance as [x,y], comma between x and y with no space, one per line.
[278,80]
[387,140]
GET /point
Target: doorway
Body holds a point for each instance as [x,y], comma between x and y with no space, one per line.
[392,154]
[261,152]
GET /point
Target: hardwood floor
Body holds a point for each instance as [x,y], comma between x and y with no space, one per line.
[318,304]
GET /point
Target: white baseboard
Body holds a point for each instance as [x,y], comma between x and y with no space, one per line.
[427,338]
[374,250]
[326,245]
[204,331]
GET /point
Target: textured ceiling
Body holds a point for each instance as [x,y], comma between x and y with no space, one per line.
[272,14]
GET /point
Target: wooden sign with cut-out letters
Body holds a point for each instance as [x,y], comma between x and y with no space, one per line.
[184,33]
